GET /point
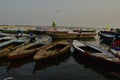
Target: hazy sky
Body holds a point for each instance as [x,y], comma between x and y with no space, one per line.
[63,12]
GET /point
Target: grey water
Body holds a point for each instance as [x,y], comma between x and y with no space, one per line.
[64,67]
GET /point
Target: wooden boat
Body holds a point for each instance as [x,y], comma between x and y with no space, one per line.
[8,46]
[29,49]
[95,53]
[71,34]
[53,50]
[56,33]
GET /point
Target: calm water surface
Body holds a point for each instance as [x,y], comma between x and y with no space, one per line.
[65,67]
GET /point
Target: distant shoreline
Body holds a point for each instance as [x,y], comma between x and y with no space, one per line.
[34,27]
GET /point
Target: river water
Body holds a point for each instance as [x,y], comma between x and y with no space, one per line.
[65,67]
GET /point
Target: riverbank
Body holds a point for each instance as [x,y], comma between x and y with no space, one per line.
[17,27]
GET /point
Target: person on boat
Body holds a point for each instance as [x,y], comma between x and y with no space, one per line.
[111,29]
[117,30]
[37,28]
[32,37]
[116,43]
[31,34]
[19,33]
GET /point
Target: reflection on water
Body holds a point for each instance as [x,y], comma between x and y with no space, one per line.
[112,73]
[14,64]
[4,62]
[51,62]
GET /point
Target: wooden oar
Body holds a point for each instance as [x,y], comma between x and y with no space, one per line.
[115,54]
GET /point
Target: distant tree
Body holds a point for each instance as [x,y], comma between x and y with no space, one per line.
[108,27]
[53,25]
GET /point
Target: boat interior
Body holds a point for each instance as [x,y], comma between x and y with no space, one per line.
[2,36]
[59,46]
[89,49]
[3,40]
[11,45]
[35,46]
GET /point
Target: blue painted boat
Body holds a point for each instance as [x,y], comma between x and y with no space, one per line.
[108,35]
